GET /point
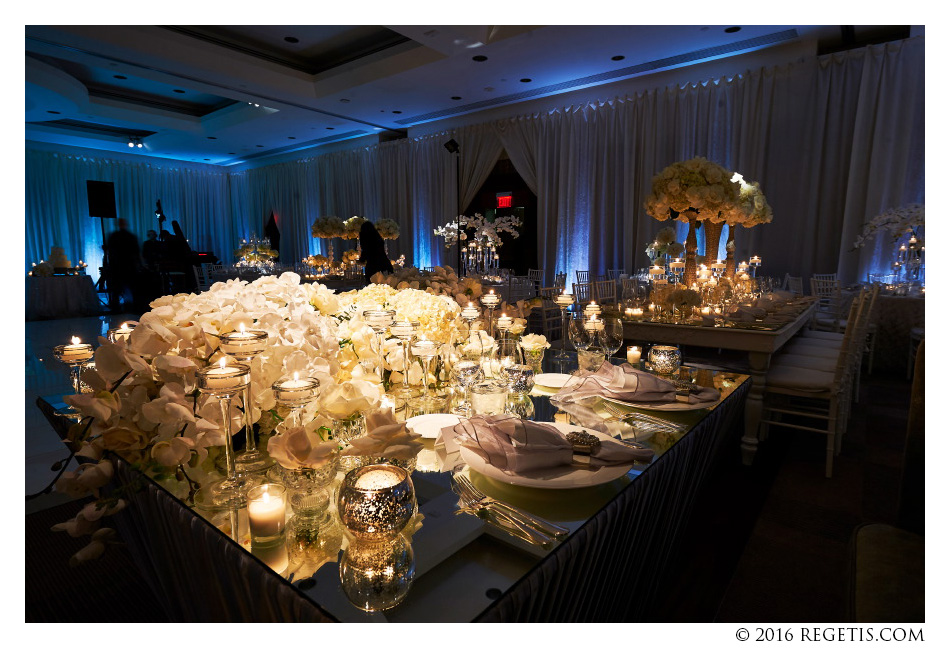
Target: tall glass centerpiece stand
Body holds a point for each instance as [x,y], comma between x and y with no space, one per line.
[295,394]
[676,269]
[222,382]
[244,346]
[379,319]
[490,301]
[426,350]
[404,330]
[504,323]
[74,355]
[563,301]
[754,263]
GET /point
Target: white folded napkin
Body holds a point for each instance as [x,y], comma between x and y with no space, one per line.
[517,446]
[626,384]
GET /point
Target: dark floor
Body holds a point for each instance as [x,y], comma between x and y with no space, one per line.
[767,543]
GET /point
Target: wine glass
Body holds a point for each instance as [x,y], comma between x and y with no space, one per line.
[403,330]
[508,354]
[379,320]
[467,372]
[579,335]
[612,336]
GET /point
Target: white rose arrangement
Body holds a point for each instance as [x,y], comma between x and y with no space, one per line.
[751,206]
[534,342]
[351,227]
[388,229]
[698,186]
[327,227]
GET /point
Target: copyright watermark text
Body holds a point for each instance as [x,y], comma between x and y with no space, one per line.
[829,634]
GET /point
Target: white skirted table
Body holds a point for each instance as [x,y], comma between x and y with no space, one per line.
[61,296]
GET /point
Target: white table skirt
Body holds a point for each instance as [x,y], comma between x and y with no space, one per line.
[61,296]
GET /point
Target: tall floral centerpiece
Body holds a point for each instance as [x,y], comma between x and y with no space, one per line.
[328,227]
[351,229]
[484,238]
[696,190]
[389,230]
[904,224]
[751,209]
[256,254]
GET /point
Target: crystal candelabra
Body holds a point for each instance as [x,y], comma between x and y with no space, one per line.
[75,356]
[379,319]
[404,330]
[563,301]
[244,346]
[490,301]
[479,257]
[222,382]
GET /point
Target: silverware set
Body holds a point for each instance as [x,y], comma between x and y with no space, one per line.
[512,519]
[644,421]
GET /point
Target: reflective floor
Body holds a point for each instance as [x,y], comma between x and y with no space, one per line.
[47,377]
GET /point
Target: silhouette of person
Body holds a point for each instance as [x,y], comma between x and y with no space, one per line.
[122,247]
[374,251]
[152,250]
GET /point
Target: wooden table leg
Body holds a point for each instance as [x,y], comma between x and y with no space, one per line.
[758,366]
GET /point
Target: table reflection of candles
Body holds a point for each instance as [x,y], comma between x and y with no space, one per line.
[592,309]
[633,355]
[376,575]
[594,324]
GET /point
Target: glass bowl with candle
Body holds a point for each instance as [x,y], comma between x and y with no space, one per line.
[376,575]
[376,501]
[665,359]
[121,334]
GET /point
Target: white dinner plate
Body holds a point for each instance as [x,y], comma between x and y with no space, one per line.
[429,425]
[559,477]
[552,380]
[663,407]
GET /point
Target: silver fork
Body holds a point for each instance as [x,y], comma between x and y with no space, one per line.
[518,514]
[620,414]
[474,506]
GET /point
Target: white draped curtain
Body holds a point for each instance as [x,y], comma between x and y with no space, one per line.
[833,141]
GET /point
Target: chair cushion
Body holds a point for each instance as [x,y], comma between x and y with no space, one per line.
[809,380]
[819,363]
[822,335]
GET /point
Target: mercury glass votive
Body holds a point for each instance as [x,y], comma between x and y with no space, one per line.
[519,377]
[376,501]
[665,360]
[376,575]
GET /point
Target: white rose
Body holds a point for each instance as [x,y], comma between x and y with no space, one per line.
[350,398]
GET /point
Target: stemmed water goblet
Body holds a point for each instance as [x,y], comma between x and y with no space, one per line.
[379,319]
[612,336]
[467,372]
[403,330]
[579,334]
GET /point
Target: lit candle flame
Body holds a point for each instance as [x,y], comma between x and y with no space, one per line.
[296,375]
[241,327]
[124,327]
[75,340]
[221,363]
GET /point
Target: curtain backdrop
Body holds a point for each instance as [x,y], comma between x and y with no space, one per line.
[832,140]
[57,208]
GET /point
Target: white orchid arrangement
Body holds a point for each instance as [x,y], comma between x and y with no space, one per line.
[696,186]
[388,229]
[485,232]
[898,221]
[327,227]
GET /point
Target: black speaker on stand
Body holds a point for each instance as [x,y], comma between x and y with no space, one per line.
[101,197]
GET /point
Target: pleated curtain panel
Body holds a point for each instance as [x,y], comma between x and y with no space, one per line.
[833,141]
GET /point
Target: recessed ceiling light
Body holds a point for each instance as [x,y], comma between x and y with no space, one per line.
[479,58]
[619,57]
[397,112]
[291,39]
[291,138]
[212,137]
[344,101]
[207,159]
[330,128]
[118,76]
[456,98]
[488,89]
[732,30]
[178,91]
[232,153]
[260,146]
[526,80]
[54,112]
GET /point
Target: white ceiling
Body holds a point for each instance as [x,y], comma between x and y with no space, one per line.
[189,92]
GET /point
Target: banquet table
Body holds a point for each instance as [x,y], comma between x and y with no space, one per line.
[612,565]
[760,345]
[61,296]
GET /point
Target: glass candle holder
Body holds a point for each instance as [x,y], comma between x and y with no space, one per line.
[376,575]
[488,397]
[379,319]
[244,346]
[563,301]
[633,355]
[75,356]
[404,330]
[121,334]
[295,393]
[223,382]
[426,350]
[376,501]
[519,377]
[665,360]
[267,512]
[490,301]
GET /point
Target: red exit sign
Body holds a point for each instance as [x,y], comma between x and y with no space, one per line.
[503,200]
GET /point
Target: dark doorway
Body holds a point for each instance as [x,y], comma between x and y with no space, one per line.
[505,187]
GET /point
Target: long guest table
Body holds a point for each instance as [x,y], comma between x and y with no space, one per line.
[760,345]
[61,296]
[609,568]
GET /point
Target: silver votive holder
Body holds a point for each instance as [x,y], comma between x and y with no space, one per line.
[665,360]
[376,501]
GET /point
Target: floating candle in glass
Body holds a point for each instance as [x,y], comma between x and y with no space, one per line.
[491,299]
[563,300]
[242,343]
[120,335]
[470,312]
[74,353]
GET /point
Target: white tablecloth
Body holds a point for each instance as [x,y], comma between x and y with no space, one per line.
[61,296]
